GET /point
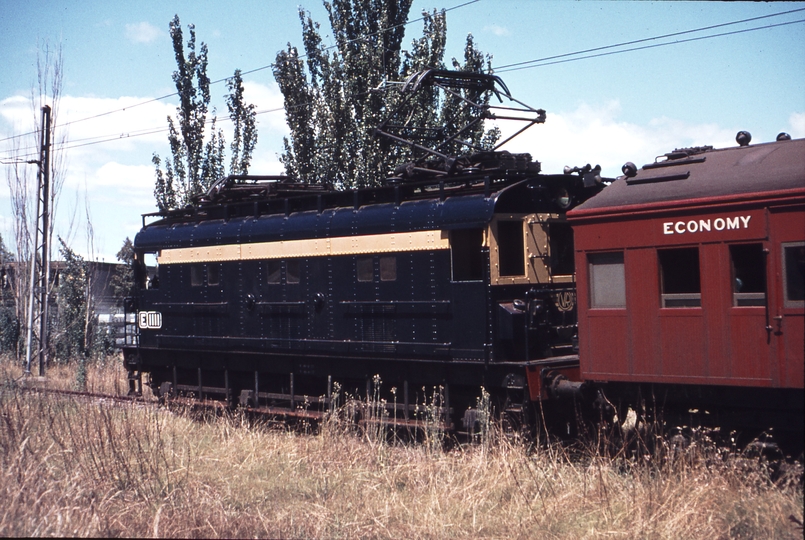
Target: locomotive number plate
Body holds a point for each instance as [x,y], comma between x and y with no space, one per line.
[149,319]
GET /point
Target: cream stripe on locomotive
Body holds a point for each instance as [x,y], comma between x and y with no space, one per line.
[310,247]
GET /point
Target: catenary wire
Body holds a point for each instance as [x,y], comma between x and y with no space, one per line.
[643,47]
[166,96]
[634,42]
[501,69]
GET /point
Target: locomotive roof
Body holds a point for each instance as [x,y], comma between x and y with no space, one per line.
[472,205]
[696,175]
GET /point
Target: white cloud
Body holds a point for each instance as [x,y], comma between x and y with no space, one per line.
[135,183]
[797,123]
[593,134]
[143,32]
[108,157]
[90,119]
[497,30]
[268,102]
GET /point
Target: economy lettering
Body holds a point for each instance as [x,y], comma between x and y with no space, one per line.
[706,225]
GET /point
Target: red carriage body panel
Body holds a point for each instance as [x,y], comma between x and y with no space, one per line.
[690,272]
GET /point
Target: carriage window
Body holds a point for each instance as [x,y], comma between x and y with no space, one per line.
[196,275]
[213,274]
[607,280]
[388,268]
[365,268]
[679,275]
[274,271]
[794,274]
[292,271]
[561,238]
[511,252]
[748,275]
[466,247]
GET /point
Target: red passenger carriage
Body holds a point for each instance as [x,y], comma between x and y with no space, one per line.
[690,284]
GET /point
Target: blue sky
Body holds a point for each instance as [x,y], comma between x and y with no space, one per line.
[608,109]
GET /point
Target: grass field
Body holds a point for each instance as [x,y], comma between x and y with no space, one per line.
[88,468]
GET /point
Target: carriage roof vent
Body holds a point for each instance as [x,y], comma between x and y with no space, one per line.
[681,153]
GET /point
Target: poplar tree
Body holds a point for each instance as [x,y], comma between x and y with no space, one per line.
[335,98]
[244,136]
[195,163]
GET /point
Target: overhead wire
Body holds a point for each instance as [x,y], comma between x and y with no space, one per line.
[530,64]
[543,62]
[500,69]
[88,141]
[255,70]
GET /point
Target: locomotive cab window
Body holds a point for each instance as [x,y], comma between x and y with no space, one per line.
[511,251]
[146,270]
[679,278]
[794,274]
[607,280]
[466,250]
[748,275]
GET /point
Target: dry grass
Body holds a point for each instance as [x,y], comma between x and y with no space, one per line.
[80,468]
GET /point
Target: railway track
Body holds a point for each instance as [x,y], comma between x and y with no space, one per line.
[357,410]
[364,415]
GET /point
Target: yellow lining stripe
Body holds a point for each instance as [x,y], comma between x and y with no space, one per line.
[310,247]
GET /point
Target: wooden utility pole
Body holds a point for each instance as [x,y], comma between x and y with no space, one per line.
[40,258]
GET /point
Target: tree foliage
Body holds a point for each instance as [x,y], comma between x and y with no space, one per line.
[335,98]
[195,163]
[9,324]
[6,256]
[122,283]
[244,136]
[74,334]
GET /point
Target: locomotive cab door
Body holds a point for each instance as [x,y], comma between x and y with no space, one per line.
[533,283]
[468,262]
